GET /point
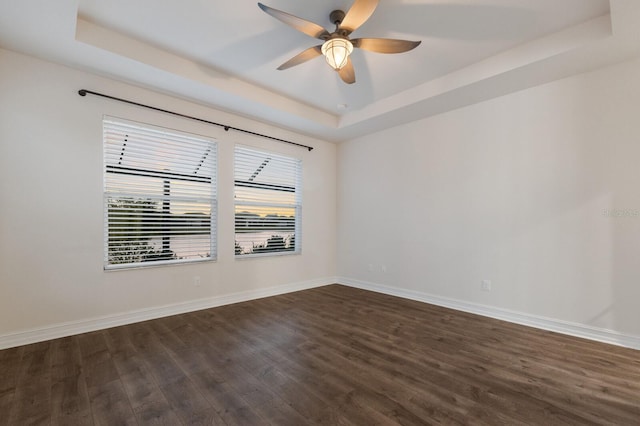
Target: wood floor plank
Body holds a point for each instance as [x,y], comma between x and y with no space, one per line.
[107,397]
[188,403]
[163,368]
[255,399]
[32,398]
[332,355]
[97,362]
[69,395]
[218,393]
[10,360]
[110,405]
[147,400]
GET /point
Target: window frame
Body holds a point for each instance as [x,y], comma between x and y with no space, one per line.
[296,205]
[165,200]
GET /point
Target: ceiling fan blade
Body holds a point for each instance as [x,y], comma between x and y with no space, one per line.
[358,15]
[302,25]
[304,56]
[347,73]
[384,45]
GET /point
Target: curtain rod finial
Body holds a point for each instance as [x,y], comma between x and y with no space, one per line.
[82,92]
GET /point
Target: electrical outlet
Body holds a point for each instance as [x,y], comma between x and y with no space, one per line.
[383,268]
[196,281]
[485,285]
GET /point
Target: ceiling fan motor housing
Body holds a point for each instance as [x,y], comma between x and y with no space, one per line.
[336,17]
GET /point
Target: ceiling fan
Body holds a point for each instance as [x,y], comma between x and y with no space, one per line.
[337,45]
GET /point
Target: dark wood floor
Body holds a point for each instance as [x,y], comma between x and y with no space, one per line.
[332,355]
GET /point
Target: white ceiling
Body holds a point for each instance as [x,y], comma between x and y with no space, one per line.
[225,54]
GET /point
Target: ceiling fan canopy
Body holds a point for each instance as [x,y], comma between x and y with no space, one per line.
[337,46]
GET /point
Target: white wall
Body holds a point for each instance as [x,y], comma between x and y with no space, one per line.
[51,218]
[512,190]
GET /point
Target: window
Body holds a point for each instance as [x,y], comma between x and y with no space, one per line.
[159,196]
[267,203]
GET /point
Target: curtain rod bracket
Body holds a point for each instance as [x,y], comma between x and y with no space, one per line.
[84,92]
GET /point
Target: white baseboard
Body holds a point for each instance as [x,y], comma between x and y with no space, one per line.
[99,323]
[550,324]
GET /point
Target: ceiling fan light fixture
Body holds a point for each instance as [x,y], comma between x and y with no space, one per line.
[336,51]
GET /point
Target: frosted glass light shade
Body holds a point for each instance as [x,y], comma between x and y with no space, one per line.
[336,51]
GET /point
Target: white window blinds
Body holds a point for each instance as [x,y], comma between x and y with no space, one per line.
[159,195]
[268,203]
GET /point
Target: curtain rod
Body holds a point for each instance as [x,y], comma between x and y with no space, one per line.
[84,92]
